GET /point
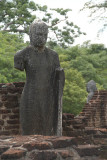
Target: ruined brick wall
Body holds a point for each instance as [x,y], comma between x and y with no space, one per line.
[94,114]
[9,108]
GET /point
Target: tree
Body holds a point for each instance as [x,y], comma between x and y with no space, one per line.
[98,11]
[74,96]
[16,16]
[9,45]
[88,59]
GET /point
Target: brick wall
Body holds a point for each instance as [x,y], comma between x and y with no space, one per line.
[9,108]
[94,113]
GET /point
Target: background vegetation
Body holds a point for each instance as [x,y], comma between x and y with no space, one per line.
[81,63]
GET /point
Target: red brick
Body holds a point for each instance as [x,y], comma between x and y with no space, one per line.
[68,116]
[11,127]
[15,116]
[43,155]
[19,84]
[69,122]
[3,91]
[16,110]
[11,104]
[1,103]
[12,97]
[16,90]
[13,121]
[62,142]
[1,122]
[71,133]
[4,97]
[64,133]
[15,132]
[66,153]
[37,145]
[13,154]
[4,116]
[12,90]
[88,150]
[5,111]
[63,123]
[68,128]
[4,133]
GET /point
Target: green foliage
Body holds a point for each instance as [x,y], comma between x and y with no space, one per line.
[9,45]
[17,15]
[74,92]
[89,59]
[80,63]
[74,96]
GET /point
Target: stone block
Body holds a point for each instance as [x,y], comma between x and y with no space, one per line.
[1,122]
[65,153]
[15,110]
[3,148]
[11,127]
[15,116]
[12,97]
[88,150]
[11,104]
[38,145]
[43,155]
[4,133]
[1,103]
[13,154]
[13,122]
[62,142]
[15,131]
[5,111]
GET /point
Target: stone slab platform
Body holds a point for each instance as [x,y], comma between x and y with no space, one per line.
[37,147]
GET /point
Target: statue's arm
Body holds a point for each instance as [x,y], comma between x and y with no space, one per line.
[19,61]
[58,92]
[59,73]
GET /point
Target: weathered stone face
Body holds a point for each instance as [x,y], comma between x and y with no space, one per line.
[38,33]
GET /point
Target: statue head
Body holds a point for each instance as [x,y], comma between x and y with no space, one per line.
[38,33]
[91,86]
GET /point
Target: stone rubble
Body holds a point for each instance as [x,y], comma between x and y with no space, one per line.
[37,147]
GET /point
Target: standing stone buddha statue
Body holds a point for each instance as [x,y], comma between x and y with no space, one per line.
[41,100]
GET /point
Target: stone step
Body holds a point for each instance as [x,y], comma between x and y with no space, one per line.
[100,136]
[78,126]
[88,150]
[3,148]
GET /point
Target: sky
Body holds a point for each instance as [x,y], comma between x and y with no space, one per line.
[79,18]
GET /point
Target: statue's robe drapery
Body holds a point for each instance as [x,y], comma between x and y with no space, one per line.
[38,106]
